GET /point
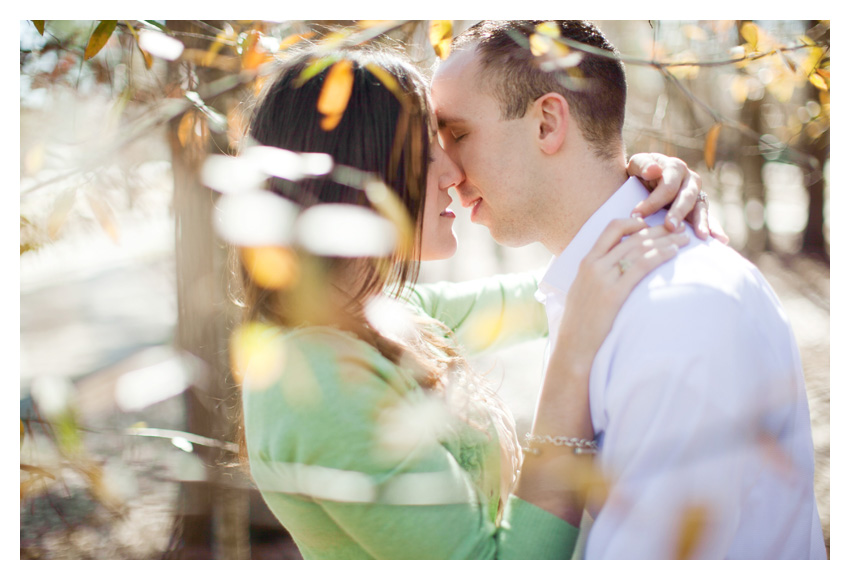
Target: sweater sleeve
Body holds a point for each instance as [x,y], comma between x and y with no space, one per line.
[485,314]
[362,455]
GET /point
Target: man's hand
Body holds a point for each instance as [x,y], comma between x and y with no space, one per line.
[670,180]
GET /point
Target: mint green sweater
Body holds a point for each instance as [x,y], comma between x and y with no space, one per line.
[358,462]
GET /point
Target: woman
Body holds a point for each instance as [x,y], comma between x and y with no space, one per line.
[371,437]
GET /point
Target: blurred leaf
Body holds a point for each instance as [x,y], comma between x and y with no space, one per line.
[98,487]
[788,62]
[253,54]
[539,44]
[812,60]
[388,204]
[271,267]
[105,217]
[186,127]
[68,436]
[253,345]
[39,25]
[237,127]
[388,80]
[335,94]
[295,39]
[710,149]
[99,37]
[691,531]
[315,67]
[155,24]
[36,470]
[148,58]
[440,35]
[694,32]
[818,81]
[59,214]
[782,87]
[751,34]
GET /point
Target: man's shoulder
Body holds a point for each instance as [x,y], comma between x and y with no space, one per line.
[709,274]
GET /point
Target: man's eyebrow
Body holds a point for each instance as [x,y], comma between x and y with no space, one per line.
[443,121]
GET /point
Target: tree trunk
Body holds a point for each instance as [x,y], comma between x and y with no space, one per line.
[204,315]
[753,194]
[814,241]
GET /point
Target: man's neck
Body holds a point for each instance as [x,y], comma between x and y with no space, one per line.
[585,184]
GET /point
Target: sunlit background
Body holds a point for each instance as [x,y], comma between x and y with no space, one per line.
[127,330]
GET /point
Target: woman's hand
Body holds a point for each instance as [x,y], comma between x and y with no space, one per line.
[670,180]
[552,478]
[606,277]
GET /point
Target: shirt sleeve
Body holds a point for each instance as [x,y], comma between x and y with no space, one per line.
[682,426]
[342,430]
[485,314]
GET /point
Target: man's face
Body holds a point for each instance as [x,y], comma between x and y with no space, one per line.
[494,155]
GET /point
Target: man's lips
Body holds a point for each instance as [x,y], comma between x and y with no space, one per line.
[470,203]
[475,205]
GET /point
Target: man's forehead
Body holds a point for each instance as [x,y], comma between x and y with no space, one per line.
[459,65]
[454,85]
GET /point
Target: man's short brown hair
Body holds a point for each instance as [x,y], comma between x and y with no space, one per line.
[597,99]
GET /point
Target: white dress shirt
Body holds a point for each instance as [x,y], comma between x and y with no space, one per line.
[698,402]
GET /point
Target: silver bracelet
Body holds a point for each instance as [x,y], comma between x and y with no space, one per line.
[579,446]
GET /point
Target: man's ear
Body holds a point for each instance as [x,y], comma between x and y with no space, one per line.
[552,113]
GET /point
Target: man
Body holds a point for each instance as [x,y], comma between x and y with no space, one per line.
[697,395]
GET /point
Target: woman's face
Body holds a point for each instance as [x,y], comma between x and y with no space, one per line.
[438,239]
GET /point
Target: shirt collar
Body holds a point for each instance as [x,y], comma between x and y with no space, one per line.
[562,269]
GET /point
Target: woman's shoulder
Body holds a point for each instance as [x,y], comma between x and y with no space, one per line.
[329,358]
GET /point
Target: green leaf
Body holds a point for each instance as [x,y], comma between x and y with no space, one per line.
[156,24]
[39,25]
[315,68]
[99,37]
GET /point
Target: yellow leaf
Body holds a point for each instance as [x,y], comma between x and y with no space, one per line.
[812,60]
[145,54]
[549,29]
[692,530]
[99,37]
[329,122]
[711,144]
[694,32]
[252,344]
[39,25]
[59,214]
[751,34]
[186,127]
[818,81]
[212,51]
[253,54]
[740,88]
[294,39]
[440,35]
[237,127]
[386,79]
[336,91]
[539,44]
[271,267]
[366,24]
[105,217]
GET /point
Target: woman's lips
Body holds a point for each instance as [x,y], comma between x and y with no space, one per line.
[447,213]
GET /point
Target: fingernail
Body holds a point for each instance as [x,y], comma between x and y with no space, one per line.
[683,238]
[636,214]
[673,222]
[680,228]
